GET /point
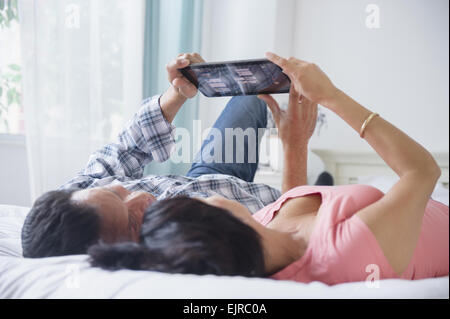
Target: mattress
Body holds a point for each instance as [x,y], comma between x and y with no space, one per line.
[73,277]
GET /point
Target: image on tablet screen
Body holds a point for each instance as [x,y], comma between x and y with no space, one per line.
[240,78]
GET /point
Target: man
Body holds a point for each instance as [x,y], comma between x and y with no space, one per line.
[106,201]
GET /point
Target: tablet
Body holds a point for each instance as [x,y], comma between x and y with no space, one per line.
[247,77]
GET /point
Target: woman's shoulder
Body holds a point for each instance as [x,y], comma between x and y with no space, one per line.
[359,195]
[344,201]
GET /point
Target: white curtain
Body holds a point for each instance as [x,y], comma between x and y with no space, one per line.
[82,80]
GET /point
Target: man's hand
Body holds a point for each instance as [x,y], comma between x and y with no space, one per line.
[295,127]
[181,89]
[178,81]
[296,124]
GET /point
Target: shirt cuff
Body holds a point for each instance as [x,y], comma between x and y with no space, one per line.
[172,127]
[157,131]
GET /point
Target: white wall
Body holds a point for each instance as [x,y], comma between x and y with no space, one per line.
[14,180]
[400,70]
[237,29]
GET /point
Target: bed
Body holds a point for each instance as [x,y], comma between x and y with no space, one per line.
[73,277]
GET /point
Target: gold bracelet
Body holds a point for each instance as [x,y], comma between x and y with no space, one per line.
[366,122]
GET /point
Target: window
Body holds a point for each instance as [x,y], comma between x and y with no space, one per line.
[11,111]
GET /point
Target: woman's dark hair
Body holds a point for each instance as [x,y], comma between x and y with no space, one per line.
[57,226]
[184,235]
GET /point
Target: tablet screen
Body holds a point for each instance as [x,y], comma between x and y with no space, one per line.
[249,77]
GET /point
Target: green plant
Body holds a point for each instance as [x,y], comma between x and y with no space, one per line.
[8,12]
[10,79]
[10,87]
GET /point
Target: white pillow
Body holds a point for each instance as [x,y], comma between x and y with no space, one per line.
[11,222]
[72,277]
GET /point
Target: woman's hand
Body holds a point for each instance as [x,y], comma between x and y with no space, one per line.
[182,85]
[296,124]
[308,79]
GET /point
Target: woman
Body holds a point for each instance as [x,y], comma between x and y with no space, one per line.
[311,233]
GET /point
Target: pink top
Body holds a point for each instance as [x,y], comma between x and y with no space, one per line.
[342,248]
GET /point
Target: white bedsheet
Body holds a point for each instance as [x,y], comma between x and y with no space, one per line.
[72,277]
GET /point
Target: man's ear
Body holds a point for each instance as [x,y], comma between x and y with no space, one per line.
[139,201]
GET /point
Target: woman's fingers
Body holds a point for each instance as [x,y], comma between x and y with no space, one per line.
[281,62]
[287,65]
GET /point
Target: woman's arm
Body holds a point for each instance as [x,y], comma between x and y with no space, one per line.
[397,149]
[396,219]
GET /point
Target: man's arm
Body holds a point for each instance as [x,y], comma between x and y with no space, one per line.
[171,102]
[148,135]
[181,89]
[295,167]
[295,127]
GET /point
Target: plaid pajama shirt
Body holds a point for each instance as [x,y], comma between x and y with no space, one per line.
[149,137]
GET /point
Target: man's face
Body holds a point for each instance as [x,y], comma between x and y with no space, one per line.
[121,211]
